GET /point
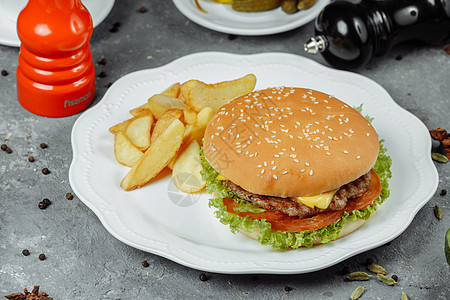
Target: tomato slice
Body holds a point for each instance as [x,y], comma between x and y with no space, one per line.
[318,221]
[282,222]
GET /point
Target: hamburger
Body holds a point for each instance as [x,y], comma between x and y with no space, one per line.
[293,167]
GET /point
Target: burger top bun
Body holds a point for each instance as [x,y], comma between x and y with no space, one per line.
[290,142]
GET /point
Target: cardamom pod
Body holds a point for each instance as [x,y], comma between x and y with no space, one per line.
[404,296]
[386,280]
[438,212]
[447,246]
[377,269]
[357,292]
[358,276]
[439,157]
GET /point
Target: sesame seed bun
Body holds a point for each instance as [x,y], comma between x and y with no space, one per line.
[290,142]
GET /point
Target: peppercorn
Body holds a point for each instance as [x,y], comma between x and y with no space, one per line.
[102,74]
[443,192]
[45,171]
[103,61]
[43,145]
[69,196]
[203,277]
[369,261]
[25,252]
[4,73]
[109,84]
[8,150]
[395,277]
[287,288]
[399,57]
[47,201]
[143,9]
[115,27]
[30,158]
[145,263]
[42,205]
[4,147]
[42,256]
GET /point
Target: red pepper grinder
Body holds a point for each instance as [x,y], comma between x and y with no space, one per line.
[55,75]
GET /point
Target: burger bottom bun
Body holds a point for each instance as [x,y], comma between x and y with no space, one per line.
[347,228]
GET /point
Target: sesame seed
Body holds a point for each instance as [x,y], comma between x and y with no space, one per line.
[262,171]
[311,172]
[274,168]
[275,176]
[345,151]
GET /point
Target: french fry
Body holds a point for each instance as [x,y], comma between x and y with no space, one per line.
[156,157]
[138,131]
[186,171]
[172,91]
[125,151]
[124,125]
[140,110]
[158,104]
[190,116]
[198,129]
[120,127]
[164,121]
[198,94]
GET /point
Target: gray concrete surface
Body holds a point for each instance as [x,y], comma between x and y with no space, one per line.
[84,261]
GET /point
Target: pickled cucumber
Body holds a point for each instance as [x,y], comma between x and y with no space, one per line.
[305,4]
[254,5]
[289,6]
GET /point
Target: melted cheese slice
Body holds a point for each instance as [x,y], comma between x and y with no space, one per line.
[321,201]
[221,177]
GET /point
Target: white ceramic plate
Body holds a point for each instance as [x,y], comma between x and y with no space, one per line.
[181,227]
[223,18]
[10,9]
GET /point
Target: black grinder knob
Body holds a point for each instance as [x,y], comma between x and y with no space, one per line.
[350,32]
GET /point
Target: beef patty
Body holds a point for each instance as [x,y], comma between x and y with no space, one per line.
[291,207]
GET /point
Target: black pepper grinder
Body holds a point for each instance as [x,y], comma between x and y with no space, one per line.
[350,32]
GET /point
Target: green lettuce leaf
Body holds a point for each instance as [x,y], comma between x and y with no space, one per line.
[281,240]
